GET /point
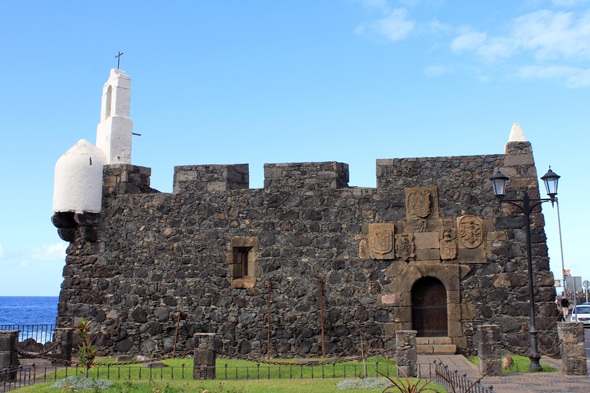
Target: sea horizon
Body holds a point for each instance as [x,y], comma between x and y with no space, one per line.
[28,310]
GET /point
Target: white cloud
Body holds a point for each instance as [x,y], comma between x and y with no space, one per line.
[581,79]
[468,41]
[436,71]
[410,3]
[395,26]
[435,26]
[572,77]
[568,3]
[50,252]
[378,4]
[546,34]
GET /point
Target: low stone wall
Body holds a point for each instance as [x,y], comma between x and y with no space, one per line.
[63,351]
[406,354]
[8,354]
[489,349]
[573,351]
[204,357]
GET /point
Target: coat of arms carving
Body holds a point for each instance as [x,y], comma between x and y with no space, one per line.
[404,246]
[470,230]
[448,247]
[382,241]
[421,203]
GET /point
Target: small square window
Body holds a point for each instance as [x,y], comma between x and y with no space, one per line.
[240,259]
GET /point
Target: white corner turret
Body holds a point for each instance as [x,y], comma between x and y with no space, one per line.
[78,179]
[516,134]
[114,132]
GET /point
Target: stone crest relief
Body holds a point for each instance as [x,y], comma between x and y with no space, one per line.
[382,241]
[448,247]
[470,231]
[404,246]
[421,203]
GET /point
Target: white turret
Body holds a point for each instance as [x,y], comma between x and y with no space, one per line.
[78,173]
[516,134]
[114,132]
[78,179]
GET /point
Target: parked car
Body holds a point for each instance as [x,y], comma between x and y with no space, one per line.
[582,313]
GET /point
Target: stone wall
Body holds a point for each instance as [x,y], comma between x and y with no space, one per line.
[207,251]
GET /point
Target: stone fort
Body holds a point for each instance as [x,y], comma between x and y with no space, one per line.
[316,260]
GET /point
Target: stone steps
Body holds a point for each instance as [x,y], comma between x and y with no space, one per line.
[435,345]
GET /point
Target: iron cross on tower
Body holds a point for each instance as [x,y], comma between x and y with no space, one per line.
[119,60]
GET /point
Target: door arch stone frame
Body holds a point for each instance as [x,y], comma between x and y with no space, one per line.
[405,276]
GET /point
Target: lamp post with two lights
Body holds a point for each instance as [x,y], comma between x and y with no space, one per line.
[526,206]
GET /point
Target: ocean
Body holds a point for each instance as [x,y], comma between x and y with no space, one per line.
[28,310]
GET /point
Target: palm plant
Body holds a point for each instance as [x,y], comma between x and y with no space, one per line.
[86,350]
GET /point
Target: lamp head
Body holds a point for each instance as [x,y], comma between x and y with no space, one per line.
[499,184]
[551,179]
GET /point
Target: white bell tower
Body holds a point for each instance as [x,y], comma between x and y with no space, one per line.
[114,132]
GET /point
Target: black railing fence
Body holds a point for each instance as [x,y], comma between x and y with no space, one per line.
[31,374]
[454,382]
[11,379]
[40,333]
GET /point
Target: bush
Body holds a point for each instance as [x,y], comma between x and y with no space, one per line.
[365,383]
[76,382]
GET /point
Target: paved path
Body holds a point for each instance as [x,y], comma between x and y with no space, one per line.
[515,383]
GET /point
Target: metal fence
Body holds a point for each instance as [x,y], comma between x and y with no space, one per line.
[436,372]
[31,374]
[40,333]
[454,382]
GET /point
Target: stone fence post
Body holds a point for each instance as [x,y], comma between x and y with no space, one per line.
[573,352]
[63,338]
[8,355]
[406,354]
[489,349]
[204,357]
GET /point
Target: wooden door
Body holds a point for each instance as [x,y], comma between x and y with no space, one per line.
[429,308]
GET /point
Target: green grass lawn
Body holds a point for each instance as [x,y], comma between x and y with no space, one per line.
[263,386]
[521,363]
[232,369]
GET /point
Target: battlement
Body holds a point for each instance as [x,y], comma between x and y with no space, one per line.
[306,175]
[395,173]
[199,178]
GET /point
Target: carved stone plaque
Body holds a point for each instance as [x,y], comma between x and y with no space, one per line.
[381,241]
[470,231]
[421,203]
[448,247]
[404,246]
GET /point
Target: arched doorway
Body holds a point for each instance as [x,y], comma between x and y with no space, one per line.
[429,308]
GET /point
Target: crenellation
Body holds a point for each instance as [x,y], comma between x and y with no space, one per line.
[308,176]
[199,178]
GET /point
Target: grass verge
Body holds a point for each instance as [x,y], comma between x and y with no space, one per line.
[231,369]
[521,365]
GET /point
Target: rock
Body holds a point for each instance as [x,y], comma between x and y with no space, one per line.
[154,365]
[139,315]
[124,346]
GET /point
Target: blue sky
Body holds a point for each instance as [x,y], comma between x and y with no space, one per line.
[275,81]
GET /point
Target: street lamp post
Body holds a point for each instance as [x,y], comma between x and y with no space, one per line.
[526,206]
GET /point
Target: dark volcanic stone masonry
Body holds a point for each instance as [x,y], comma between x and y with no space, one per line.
[202,257]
